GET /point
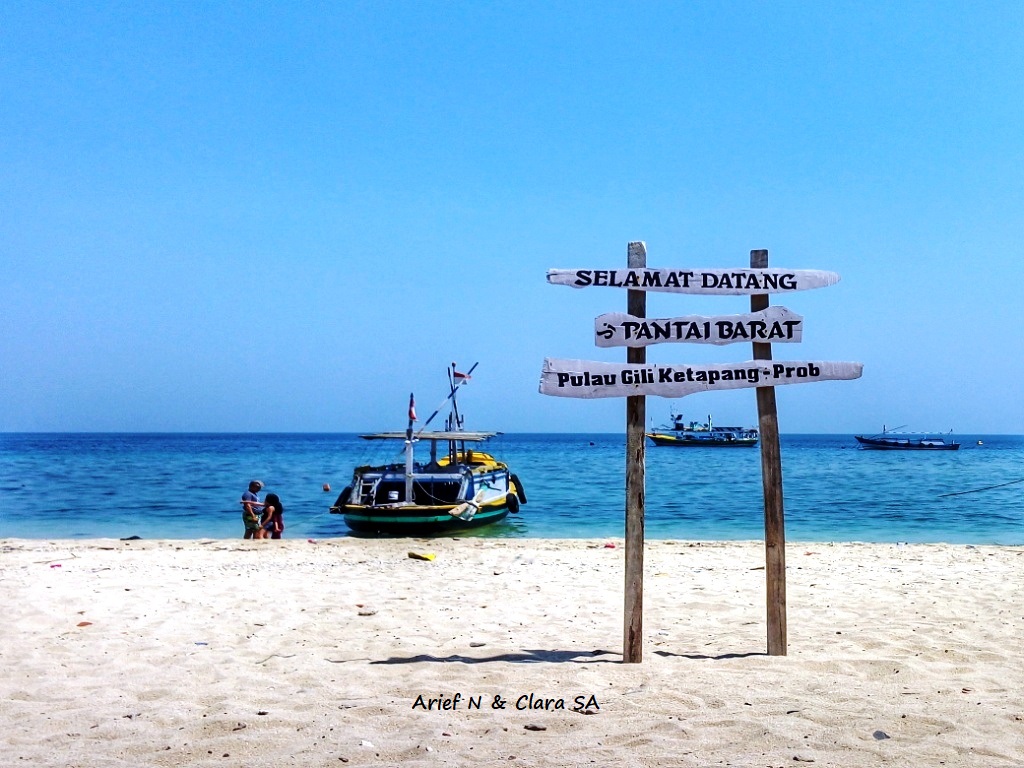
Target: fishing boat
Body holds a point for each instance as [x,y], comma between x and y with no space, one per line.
[710,435]
[458,488]
[891,440]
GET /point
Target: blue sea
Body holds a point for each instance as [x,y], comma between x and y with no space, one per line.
[188,486]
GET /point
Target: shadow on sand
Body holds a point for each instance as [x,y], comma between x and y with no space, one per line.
[523,657]
[703,657]
[555,657]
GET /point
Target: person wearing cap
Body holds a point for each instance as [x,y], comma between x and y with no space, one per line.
[251,509]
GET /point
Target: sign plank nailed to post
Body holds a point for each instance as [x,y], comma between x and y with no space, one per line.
[590,379]
[774,324]
[726,282]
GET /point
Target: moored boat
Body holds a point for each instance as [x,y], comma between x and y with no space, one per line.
[890,440]
[456,489]
[693,434]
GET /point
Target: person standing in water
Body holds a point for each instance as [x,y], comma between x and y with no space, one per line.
[272,524]
[251,508]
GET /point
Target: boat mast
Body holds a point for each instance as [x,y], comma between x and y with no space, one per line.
[455,403]
[408,449]
[454,418]
[451,423]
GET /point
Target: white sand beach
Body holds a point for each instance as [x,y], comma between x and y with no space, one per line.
[315,653]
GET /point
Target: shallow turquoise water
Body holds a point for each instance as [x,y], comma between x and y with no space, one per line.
[185,486]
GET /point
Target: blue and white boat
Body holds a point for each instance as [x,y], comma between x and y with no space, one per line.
[694,434]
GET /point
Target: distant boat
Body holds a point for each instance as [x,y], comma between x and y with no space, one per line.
[459,489]
[708,435]
[890,440]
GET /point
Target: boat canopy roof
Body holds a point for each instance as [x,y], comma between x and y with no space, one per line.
[469,437]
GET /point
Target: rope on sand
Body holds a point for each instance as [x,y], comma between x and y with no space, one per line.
[986,488]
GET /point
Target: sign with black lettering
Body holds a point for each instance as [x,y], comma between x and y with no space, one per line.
[775,325]
[708,281]
[590,379]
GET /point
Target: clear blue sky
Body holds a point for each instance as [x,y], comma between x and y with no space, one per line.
[287,216]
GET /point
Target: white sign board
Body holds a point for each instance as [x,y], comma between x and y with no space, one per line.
[707,281]
[589,379]
[773,325]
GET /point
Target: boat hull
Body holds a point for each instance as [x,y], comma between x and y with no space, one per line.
[894,444]
[446,498]
[417,521]
[685,441]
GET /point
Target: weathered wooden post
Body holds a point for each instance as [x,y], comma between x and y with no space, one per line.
[771,480]
[636,420]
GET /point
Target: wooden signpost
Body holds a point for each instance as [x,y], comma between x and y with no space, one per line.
[771,481]
[636,445]
[636,379]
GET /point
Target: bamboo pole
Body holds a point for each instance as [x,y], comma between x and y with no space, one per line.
[771,480]
[636,418]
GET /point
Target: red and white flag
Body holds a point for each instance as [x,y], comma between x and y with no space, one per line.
[460,377]
[412,408]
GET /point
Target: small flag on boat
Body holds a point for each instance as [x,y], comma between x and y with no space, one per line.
[412,408]
[460,376]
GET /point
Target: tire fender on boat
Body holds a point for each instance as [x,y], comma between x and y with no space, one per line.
[520,492]
[512,503]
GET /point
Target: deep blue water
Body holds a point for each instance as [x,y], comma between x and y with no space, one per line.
[184,486]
